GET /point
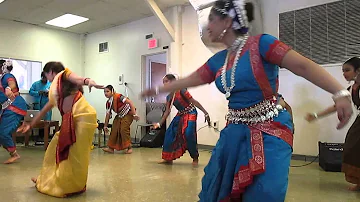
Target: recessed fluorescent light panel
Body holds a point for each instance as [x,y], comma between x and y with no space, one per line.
[67,20]
[1,1]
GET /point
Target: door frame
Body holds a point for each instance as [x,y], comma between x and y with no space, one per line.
[144,72]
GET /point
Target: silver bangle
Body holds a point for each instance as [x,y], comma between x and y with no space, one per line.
[341,94]
[157,90]
[206,115]
[315,115]
[158,124]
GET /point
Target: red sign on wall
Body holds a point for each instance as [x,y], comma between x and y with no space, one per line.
[153,43]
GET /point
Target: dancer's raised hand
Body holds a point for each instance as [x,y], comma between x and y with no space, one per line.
[344,111]
[207,119]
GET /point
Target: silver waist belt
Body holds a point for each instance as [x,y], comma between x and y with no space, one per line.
[6,104]
[260,113]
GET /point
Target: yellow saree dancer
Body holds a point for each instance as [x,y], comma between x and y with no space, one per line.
[65,166]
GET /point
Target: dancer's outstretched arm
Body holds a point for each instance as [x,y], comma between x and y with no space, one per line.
[27,126]
[81,81]
[313,116]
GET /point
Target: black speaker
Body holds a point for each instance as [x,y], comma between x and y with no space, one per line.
[153,139]
[330,156]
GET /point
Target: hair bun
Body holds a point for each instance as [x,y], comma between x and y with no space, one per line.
[249,7]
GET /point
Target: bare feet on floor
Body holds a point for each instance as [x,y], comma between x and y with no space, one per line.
[195,162]
[165,162]
[33,179]
[354,188]
[14,157]
[129,151]
[108,150]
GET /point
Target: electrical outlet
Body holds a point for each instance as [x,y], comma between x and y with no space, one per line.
[215,124]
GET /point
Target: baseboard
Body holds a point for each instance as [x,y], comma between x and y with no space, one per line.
[205,147]
[305,158]
[298,157]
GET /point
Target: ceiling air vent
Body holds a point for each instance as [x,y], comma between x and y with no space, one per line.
[103,47]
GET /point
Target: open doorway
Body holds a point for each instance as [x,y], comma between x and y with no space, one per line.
[155,71]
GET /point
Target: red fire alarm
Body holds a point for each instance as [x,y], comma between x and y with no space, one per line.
[153,43]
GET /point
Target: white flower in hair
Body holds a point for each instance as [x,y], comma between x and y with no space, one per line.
[236,25]
[232,13]
[8,63]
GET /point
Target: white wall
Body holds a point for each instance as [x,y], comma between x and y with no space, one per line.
[300,94]
[127,45]
[28,42]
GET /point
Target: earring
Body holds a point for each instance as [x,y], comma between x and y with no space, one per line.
[221,36]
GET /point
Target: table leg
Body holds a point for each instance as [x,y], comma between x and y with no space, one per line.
[99,133]
[57,128]
[104,138]
[27,137]
[46,136]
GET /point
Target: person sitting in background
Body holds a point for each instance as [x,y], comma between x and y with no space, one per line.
[40,92]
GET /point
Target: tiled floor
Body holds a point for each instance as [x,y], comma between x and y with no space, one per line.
[138,177]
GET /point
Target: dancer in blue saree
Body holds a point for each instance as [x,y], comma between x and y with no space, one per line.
[251,159]
[13,109]
[181,135]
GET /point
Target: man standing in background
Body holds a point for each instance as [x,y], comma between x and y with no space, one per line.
[40,91]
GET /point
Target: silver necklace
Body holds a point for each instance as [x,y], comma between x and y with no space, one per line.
[238,44]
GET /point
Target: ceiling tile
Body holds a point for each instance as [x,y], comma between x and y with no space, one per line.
[40,16]
[102,13]
[33,3]
[90,26]
[68,6]
[13,9]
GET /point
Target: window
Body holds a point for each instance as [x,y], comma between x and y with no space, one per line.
[326,33]
[26,72]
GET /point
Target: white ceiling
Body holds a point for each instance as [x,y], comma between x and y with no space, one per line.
[103,14]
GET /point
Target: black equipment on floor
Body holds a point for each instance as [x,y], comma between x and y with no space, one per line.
[330,156]
[153,139]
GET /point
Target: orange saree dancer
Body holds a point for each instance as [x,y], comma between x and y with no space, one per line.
[120,133]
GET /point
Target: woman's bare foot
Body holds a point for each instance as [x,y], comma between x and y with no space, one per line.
[108,150]
[33,179]
[354,188]
[129,151]
[15,156]
[195,162]
[165,162]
